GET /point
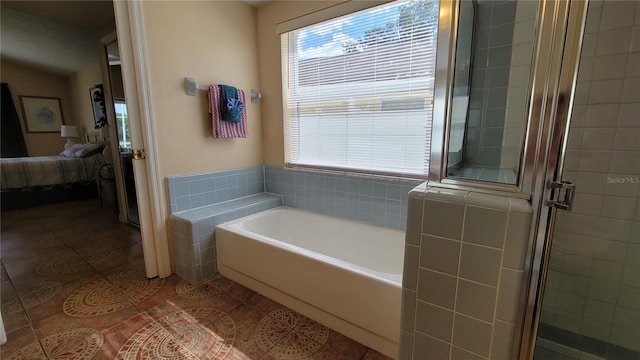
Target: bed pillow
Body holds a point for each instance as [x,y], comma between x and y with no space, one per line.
[88,150]
[71,150]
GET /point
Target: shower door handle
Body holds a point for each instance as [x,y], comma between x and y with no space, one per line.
[568,188]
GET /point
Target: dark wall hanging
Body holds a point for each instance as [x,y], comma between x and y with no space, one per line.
[98,106]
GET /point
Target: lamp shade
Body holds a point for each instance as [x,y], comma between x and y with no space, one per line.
[67,131]
[104,132]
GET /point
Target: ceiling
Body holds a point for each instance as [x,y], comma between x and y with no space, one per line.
[60,37]
[90,15]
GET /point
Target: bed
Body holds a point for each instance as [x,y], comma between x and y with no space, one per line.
[30,181]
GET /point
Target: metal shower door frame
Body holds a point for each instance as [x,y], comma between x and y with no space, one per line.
[569,20]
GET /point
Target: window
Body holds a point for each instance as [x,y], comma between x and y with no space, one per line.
[358,90]
[122,121]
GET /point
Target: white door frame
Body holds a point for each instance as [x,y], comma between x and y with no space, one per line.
[149,189]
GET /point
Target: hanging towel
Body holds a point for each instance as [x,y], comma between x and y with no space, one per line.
[221,128]
[232,106]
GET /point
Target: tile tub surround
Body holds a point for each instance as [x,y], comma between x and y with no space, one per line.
[194,232]
[200,202]
[192,191]
[463,274]
[378,201]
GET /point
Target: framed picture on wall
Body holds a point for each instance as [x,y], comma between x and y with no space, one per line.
[98,106]
[41,114]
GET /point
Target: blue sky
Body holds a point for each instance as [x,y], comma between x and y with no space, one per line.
[325,39]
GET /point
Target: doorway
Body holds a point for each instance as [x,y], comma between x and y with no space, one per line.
[123,132]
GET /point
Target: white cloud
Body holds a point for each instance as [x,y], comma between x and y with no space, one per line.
[331,48]
[331,26]
[384,9]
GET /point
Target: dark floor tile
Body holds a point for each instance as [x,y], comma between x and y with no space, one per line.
[34,250]
[109,257]
[22,344]
[33,245]
[348,348]
[263,303]
[62,266]
[14,316]
[3,273]
[374,355]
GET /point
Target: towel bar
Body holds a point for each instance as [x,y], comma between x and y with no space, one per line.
[192,87]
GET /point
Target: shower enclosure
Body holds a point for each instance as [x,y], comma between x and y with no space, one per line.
[542,102]
[591,299]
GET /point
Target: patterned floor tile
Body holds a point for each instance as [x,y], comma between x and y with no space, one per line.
[214,287]
[208,333]
[60,321]
[40,292]
[116,336]
[246,346]
[85,289]
[166,291]
[62,266]
[43,298]
[113,293]
[14,316]
[153,342]
[20,342]
[106,258]
[225,303]
[29,247]
[285,334]
[72,344]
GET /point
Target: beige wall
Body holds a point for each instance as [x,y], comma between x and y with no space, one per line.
[269,16]
[213,42]
[27,81]
[79,85]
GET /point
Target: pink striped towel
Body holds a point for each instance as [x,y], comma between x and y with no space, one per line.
[221,128]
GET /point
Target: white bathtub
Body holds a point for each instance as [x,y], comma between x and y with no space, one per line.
[343,274]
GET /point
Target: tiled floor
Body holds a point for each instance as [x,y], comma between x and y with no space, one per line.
[73,287]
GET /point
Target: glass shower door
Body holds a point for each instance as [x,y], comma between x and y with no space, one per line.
[591,301]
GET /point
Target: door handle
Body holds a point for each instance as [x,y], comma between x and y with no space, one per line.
[569,189]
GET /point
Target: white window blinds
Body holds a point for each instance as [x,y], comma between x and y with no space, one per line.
[358,90]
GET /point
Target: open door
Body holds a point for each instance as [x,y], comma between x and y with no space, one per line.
[123,133]
[152,211]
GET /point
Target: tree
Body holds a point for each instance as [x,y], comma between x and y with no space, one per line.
[351,46]
[413,16]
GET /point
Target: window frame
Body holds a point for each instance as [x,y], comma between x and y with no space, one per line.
[287,63]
